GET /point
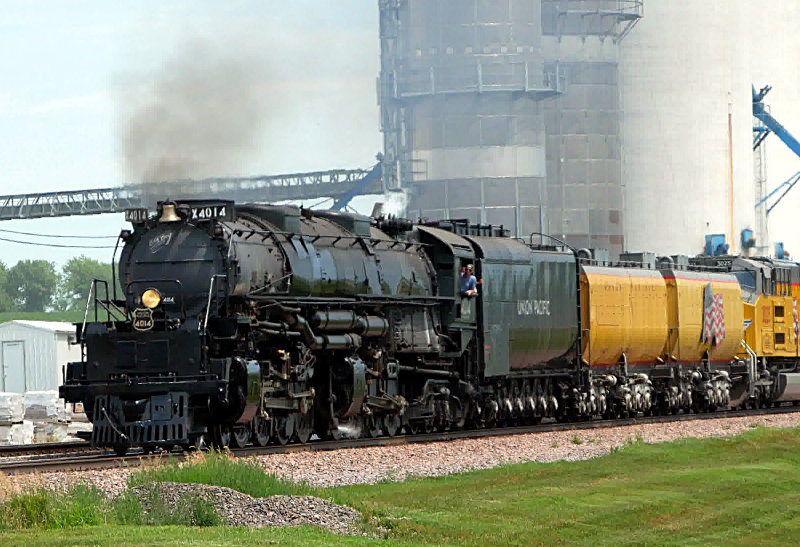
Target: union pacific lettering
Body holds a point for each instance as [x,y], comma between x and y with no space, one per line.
[533,307]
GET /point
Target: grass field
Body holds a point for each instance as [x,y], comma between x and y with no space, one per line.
[67,316]
[743,490]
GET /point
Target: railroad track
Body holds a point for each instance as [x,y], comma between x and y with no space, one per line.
[100,459]
[40,449]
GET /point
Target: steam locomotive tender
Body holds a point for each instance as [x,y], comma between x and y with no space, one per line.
[257,324]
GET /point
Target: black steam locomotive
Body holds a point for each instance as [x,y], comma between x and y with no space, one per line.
[254,323]
[257,324]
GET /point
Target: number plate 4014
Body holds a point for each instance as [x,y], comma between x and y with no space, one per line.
[142,319]
[209,212]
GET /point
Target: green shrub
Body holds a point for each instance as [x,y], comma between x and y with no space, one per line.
[28,510]
[198,511]
[220,469]
[81,505]
[127,508]
[86,506]
[145,506]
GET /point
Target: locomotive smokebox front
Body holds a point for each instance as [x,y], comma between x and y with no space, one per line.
[168,267]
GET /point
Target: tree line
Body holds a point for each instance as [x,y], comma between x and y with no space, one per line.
[37,285]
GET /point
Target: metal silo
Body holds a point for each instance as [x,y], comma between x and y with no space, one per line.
[584,181]
[461,90]
[687,159]
[506,112]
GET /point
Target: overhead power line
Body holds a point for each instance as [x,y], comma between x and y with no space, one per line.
[54,235]
[38,244]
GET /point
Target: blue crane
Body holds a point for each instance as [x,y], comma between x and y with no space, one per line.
[361,185]
[760,133]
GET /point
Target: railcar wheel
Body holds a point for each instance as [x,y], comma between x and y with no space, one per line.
[284,428]
[261,431]
[221,436]
[240,437]
[121,448]
[304,427]
[391,425]
[374,426]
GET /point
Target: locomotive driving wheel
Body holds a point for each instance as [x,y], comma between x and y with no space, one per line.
[221,436]
[284,427]
[304,426]
[391,424]
[240,436]
[261,431]
[374,426]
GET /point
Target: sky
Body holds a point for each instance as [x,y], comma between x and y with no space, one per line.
[74,74]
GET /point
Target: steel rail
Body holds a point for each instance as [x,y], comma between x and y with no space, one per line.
[36,449]
[108,460]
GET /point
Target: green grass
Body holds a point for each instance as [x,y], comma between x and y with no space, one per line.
[66,316]
[221,536]
[82,506]
[740,490]
[219,469]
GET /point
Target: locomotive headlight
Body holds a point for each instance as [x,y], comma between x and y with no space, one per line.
[151,298]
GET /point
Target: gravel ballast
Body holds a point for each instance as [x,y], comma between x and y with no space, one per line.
[239,509]
[395,463]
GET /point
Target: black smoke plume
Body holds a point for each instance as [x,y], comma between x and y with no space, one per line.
[200,114]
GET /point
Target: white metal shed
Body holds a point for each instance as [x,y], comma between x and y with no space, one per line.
[32,354]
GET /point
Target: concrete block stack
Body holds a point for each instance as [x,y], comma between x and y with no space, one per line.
[14,429]
[49,416]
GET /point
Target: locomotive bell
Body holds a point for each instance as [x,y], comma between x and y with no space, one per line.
[169,213]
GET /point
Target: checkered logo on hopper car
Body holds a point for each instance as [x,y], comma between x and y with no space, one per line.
[713,317]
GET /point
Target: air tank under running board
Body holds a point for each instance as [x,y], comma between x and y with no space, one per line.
[788,387]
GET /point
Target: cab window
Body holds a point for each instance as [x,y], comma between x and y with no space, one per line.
[747,280]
